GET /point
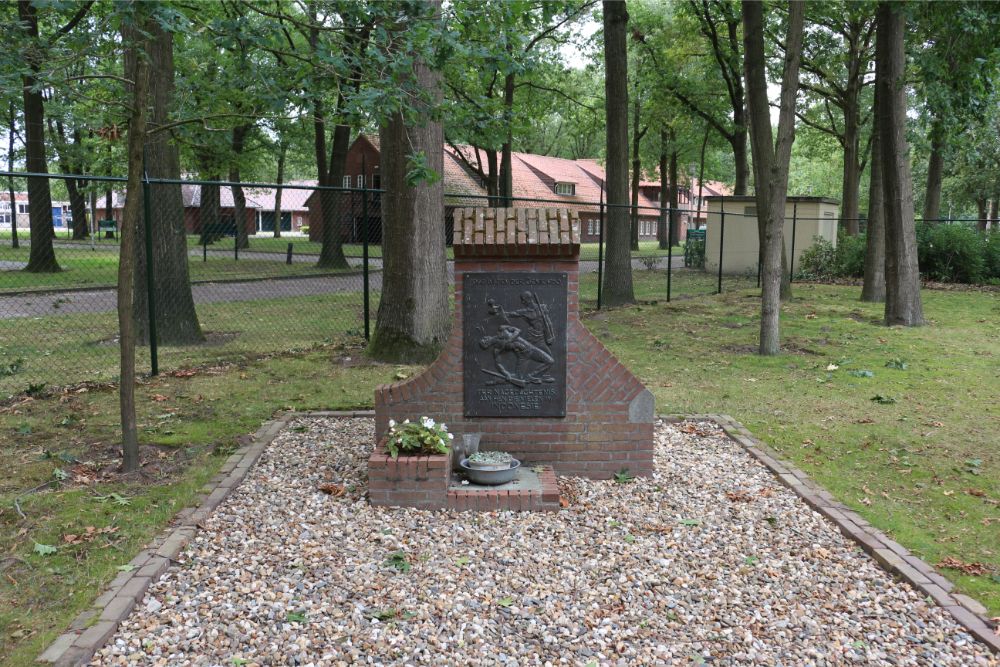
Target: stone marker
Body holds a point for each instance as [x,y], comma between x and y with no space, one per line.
[519,367]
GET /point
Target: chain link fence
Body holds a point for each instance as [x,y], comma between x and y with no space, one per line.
[224,285]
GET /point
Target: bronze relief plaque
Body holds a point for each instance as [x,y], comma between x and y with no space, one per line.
[514,344]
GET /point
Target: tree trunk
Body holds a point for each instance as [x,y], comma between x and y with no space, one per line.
[11,130]
[618,259]
[331,250]
[850,185]
[636,168]
[983,206]
[42,257]
[506,183]
[675,229]
[740,157]
[662,228]
[992,219]
[413,319]
[902,277]
[935,174]
[210,209]
[701,174]
[873,289]
[77,203]
[136,48]
[239,197]
[176,318]
[282,152]
[770,160]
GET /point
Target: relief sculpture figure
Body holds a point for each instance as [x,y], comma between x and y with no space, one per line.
[529,359]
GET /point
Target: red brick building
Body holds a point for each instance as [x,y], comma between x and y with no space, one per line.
[538,180]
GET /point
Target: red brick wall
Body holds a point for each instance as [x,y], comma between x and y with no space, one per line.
[609,413]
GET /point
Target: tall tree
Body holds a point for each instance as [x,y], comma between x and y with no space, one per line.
[770,157]
[873,288]
[11,133]
[413,319]
[836,65]
[638,132]
[176,318]
[618,260]
[42,258]
[902,276]
[135,25]
[502,48]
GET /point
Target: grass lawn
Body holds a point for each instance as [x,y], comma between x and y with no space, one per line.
[923,464]
[83,267]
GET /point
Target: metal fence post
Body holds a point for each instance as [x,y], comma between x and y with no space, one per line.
[364,248]
[722,239]
[236,242]
[600,248]
[150,274]
[288,255]
[791,261]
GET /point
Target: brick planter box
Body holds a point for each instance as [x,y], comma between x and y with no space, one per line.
[408,481]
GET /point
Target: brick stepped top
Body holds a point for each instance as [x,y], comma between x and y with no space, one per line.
[516,232]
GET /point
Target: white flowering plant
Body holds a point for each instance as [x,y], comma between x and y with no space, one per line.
[423,437]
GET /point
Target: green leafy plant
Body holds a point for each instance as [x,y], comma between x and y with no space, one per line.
[296,617]
[897,363]
[423,437]
[624,476]
[882,399]
[399,561]
[44,549]
[115,498]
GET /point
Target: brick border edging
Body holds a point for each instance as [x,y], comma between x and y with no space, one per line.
[891,555]
[86,635]
[79,644]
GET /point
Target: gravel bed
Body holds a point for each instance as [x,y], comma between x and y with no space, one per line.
[709,562]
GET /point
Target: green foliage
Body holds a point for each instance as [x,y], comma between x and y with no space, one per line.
[822,261]
[624,476]
[423,437]
[399,561]
[951,253]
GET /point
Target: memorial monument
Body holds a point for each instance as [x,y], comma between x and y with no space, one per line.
[519,368]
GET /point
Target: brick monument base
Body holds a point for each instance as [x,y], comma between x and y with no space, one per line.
[603,424]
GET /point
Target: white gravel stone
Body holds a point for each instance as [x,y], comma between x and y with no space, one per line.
[667,570]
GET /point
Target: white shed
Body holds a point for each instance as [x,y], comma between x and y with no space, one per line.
[805,217]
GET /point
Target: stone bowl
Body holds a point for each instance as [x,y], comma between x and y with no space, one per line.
[490,477]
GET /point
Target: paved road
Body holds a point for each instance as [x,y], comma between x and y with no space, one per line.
[105,300]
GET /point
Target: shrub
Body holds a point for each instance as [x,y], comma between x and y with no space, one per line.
[851,255]
[951,253]
[304,229]
[991,255]
[423,437]
[694,253]
[818,261]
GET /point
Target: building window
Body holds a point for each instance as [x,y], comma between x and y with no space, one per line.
[566,189]
[590,227]
[22,208]
[361,180]
[347,181]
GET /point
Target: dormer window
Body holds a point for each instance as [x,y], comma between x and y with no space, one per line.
[566,189]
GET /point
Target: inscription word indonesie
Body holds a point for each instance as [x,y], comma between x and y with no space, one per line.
[514,344]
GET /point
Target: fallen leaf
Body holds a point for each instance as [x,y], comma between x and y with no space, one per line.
[563,502]
[159,398]
[832,367]
[865,501]
[335,490]
[184,374]
[738,496]
[949,493]
[979,493]
[766,492]
[865,420]
[811,316]
[972,569]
